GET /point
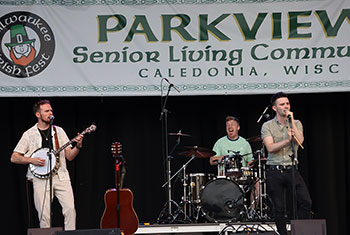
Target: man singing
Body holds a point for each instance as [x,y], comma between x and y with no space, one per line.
[279,135]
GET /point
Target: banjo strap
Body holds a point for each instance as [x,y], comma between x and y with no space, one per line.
[56,138]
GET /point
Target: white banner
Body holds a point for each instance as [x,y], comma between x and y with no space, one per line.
[203,47]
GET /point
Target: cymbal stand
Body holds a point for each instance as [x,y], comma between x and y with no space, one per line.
[262,194]
[261,182]
[184,184]
[182,209]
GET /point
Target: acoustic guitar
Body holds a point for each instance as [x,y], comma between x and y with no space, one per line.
[119,211]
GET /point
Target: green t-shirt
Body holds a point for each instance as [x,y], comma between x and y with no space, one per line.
[224,146]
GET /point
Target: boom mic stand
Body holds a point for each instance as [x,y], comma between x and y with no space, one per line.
[164,119]
[294,197]
[49,154]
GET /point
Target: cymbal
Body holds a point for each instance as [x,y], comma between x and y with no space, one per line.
[256,138]
[180,134]
[198,152]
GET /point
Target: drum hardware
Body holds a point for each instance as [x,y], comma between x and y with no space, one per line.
[232,164]
[193,152]
[164,215]
[181,209]
[192,199]
[196,183]
[260,207]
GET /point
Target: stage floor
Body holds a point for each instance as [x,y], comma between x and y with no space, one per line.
[207,227]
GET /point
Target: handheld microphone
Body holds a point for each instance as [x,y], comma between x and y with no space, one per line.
[51,118]
[288,115]
[172,85]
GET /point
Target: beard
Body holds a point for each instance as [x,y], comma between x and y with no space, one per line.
[23,60]
[45,121]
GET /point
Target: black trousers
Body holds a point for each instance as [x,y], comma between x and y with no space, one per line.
[279,180]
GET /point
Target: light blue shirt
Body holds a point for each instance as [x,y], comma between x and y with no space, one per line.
[224,146]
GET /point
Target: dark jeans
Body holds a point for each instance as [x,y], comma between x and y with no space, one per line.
[277,182]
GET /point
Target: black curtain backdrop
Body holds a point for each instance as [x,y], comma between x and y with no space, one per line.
[134,121]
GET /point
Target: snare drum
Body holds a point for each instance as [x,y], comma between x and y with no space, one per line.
[196,182]
[247,176]
[230,166]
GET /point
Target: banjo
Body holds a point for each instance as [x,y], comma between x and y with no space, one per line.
[44,171]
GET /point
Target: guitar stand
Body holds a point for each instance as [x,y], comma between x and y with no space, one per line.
[118,163]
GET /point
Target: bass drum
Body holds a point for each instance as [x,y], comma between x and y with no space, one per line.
[222,200]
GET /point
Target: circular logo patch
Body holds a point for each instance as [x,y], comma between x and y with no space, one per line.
[27,44]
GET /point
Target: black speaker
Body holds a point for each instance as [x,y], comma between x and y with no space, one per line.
[308,227]
[43,231]
[114,231]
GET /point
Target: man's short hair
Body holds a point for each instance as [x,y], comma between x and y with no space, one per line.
[36,106]
[277,96]
[230,118]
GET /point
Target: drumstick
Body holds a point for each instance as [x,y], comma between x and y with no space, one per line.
[296,139]
[298,142]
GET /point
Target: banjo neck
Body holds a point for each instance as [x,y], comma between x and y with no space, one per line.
[43,172]
[56,152]
[90,129]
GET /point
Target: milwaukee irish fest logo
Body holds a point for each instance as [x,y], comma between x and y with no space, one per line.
[27,44]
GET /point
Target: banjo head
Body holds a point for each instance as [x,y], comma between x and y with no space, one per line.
[44,171]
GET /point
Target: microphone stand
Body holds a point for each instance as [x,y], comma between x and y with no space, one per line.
[293,173]
[164,119]
[263,114]
[49,154]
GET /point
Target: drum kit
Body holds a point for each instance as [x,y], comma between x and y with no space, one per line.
[236,193]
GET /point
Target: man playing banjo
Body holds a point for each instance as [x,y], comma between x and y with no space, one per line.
[27,151]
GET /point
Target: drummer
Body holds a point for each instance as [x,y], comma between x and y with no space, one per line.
[232,143]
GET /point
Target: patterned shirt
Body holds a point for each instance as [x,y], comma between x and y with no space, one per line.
[279,132]
[31,141]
